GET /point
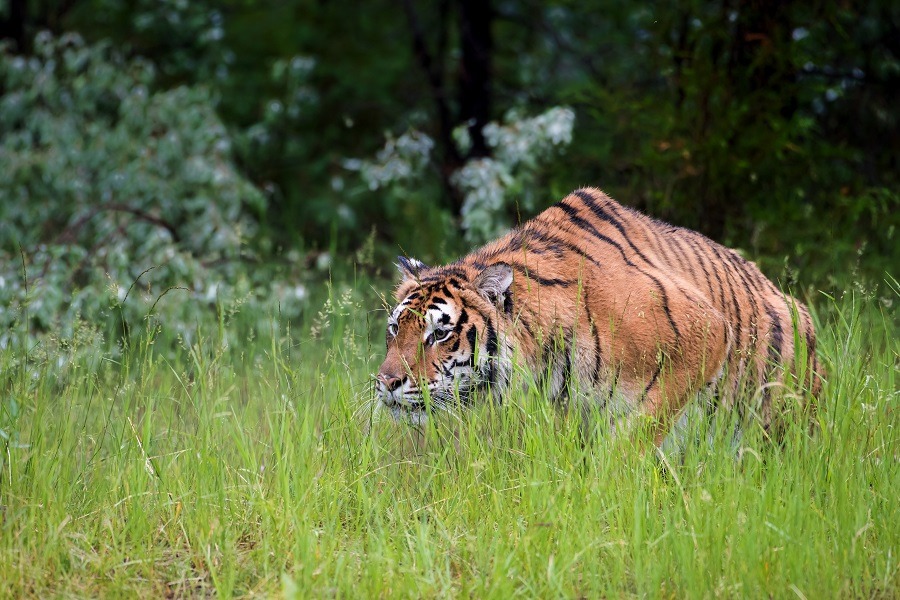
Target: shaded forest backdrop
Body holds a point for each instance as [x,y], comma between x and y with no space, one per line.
[222,149]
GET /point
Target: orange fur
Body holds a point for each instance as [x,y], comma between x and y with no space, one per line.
[593,293]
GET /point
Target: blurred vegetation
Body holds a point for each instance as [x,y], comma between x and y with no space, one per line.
[309,133]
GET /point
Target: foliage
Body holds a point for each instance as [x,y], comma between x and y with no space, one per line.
[856,245]
[739,125]
[492,188]
[265,142]
[400,162]
[259,469]
[188,36]
[112,189]
[729,118]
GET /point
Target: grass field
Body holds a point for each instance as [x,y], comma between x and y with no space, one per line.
[252,465]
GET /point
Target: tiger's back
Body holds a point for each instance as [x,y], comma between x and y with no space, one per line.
[593,296]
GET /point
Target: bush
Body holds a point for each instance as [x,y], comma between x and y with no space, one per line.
[495,188]
[114,190]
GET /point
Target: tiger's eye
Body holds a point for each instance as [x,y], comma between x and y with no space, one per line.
[439,335]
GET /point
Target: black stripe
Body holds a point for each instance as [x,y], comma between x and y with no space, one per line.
[547,364]
[651,227]
[657,244]
[669,238]
[490,373]
[573,216]
[463,318]
[700,256]
[478,263]
[775,356]
[653,379]
[807,327]
[443,273]
[519,241]
[533,276]
[555,242]
[591,203]
[440,288]
[738,321]
[675,239]
[728,280]
[478,311]
[593,328]
[775,331]
[751,296]
[760,283]
[777,334]
[561,349]
[470,336]
[515,241]
[524,321]
[552,244]
[567,373]
[612,388]
[491,339]
[812,364]
[582,223]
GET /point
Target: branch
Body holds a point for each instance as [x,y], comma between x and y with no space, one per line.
[145,216]
[826,73]
[69,233]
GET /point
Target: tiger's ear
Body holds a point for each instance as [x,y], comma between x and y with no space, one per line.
[493,283]
[410,268]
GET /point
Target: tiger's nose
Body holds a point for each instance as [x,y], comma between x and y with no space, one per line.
[390,382]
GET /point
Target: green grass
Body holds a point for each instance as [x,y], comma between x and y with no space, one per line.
[256,469]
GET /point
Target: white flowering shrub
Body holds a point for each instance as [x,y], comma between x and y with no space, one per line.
[523,141]
[490,186]
[399,161]
[111,190]
[484,183]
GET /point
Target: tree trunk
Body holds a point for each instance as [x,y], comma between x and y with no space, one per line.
[13,26]
[475,18]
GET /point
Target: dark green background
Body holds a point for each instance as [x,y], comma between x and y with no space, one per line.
[771,126]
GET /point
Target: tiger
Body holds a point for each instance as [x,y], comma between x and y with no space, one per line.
[606,307]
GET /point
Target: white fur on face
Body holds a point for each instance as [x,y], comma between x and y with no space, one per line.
[395,314]
[434,316]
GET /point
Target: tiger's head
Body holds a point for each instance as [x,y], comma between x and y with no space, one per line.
[444,335]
